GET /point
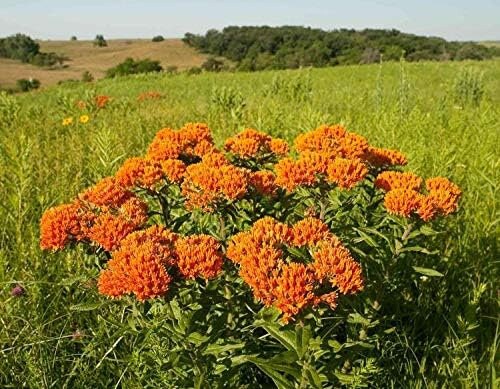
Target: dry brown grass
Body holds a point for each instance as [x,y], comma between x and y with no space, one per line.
[82,56]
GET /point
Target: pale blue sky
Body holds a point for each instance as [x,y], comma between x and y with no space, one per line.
[59,19]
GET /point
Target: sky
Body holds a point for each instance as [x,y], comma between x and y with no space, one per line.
[60,19]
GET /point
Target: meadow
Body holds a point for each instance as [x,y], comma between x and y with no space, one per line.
[61,333]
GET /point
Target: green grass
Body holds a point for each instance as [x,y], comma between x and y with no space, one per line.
[48,340]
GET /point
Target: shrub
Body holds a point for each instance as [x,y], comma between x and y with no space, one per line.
[158,38]
[131,66]
[193,71]
[87,76]
[26,85]
[73,38]
[255,259]
[25,49]
[99,41]
[212,64]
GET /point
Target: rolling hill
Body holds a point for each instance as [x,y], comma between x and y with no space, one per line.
[83,56]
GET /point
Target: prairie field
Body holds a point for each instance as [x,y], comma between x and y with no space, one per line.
[84,56]
[62,333]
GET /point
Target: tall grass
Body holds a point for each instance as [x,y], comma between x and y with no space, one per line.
[60,333]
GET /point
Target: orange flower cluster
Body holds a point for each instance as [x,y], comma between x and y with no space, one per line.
[337,141]
[404,198]
[292,287]
[141,265]
[311,166]
[194,140]
[150,95]
[140,172]
[264,182]
[212,181]
[104,214]
[250,143]
[101,101]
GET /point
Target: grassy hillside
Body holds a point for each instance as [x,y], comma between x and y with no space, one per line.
[84,56]
[447,338]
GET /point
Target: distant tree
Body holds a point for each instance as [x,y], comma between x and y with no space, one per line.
[193,71]
[99,41]
[131,66]
[158,38]
[26,85]
[212,64]
[73,38]
[472,51]
[87,76]
[370,55]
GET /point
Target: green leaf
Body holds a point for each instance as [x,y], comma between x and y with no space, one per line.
[428,272]
[419,249]
[314,378]
[302,338]
[337,346]
[85,307]
[216,349]
[197,338]
[285,337]
[365,237]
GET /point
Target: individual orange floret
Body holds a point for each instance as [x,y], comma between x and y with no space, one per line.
[323,138]
[173,169]
[139,172]
[195,133]
[384,157]
[346,173]
[334,262]
[108,230]
[215,159]
[402,202]
[293,290]
[59,226]
[198,256]
[309,231]
[106,192]
[264,182]
[390,180]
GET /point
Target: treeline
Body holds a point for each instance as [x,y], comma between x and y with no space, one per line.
[21,47]
[257,48]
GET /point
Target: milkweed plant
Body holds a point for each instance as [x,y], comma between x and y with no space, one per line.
[271,265]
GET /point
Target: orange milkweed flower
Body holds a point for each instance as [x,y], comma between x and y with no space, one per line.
[139,172]
[264,182]
[109,230]
[204,186]
[445,201]
[173,169]
[139,266]
[198,256]
[293,290]
[249,142]
[390,180]
[59,226]
[107,192]
[150,95]
[346,173]
[427,208]
[135,210]
[384,157]
[442,183]
[334,261]
[402,202]
[323,138]
[101,101]
[352,145]
[309,231]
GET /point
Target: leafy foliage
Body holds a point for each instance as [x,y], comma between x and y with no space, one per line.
[257,48]
[131,66]
[25,49]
